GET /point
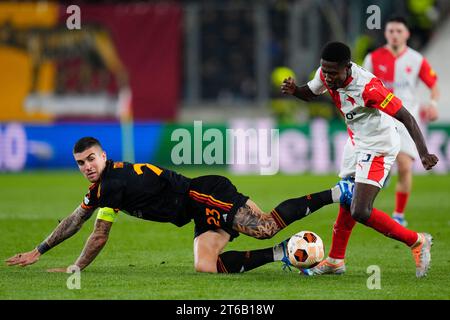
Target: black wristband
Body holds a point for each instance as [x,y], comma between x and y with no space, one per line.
[43,247]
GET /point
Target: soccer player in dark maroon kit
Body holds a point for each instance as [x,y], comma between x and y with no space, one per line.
[149,192]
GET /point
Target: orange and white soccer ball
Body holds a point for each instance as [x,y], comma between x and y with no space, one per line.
[305,249]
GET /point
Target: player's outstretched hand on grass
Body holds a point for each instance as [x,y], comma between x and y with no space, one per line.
[429,161]
[24,259]
[64,270]
[288,86]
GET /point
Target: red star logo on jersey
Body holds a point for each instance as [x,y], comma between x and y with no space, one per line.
[408,69]
[351,100]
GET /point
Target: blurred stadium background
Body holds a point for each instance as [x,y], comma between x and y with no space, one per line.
[138,70]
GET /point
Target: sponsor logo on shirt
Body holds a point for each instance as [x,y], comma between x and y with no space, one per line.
[387,100]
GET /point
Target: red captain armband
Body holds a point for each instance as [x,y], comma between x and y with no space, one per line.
[376,95]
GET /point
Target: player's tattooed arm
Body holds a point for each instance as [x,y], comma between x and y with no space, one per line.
[250,220]
[69,226]
[95,243]
[428,160]
[66,228]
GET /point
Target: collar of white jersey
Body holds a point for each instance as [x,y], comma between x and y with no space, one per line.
[348,80]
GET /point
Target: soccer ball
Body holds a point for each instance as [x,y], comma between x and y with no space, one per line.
[305,249]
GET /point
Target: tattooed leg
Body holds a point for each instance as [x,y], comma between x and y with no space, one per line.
[250,220]
[253,222]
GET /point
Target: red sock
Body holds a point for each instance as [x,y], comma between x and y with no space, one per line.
[401,198]
[384,224]
[341,233]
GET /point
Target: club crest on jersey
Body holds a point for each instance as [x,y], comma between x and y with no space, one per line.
[351,100]
[86,200]
[118,165]
[382,68]
[387,100]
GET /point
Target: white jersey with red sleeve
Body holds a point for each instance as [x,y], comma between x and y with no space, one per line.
[367,106]
[401,73]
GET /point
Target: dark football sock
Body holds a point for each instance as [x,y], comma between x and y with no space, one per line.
[295,209]
[242,261]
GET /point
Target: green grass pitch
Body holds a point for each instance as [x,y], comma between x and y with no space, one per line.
[149,260]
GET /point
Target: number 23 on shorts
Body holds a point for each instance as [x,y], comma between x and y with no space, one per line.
[213,217]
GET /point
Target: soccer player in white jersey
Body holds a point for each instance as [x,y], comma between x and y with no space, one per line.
[369,110]
[400,68]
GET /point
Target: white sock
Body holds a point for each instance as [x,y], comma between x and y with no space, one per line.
[278,252]
[336,194]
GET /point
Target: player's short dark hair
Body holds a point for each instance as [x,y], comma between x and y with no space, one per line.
[336,52]
[398,19]
[85,143]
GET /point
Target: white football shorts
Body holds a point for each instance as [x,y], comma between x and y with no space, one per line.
[366,166]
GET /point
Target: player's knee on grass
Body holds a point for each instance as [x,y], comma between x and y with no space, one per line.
[207,248]
[206,266]
[206,261]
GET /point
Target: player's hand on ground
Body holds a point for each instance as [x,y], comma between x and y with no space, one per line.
[429,161]
[288,86]
[24,259]
[64,270]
